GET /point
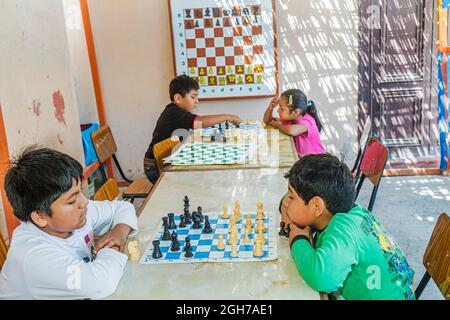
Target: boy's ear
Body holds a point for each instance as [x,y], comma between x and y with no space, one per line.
[39,219]
[318,206]
[177,97]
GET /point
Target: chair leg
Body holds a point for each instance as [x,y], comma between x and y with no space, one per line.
[120,169]
[372,198]
[358,188]
[103,172]
[423,283]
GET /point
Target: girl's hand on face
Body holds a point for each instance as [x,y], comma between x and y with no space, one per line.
[274,102]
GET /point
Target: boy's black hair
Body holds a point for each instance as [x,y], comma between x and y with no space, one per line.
[298,100]
[323,175]
[38,177]
[182,85]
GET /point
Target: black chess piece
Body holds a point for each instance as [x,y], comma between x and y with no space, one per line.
[188,248]
[182,222]
[157,254]
[196,220]
[227,125]
[165,221]
[187,216]
[220,127]
[213,138]
[175,245]
[166,234]
[207,228]
[200,214]
[282,231]
[288,230]
[172,224]
[186,200]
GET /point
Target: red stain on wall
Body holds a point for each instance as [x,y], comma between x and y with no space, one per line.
[61,142]
[36,108]
[58,103]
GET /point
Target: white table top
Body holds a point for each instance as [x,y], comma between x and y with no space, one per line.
[278,279]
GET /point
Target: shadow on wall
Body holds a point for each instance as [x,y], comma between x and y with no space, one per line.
[318,53]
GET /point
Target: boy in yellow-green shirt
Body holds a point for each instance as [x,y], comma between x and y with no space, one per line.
[353,255]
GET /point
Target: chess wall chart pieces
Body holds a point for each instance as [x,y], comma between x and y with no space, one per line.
[229,48]
[219,240]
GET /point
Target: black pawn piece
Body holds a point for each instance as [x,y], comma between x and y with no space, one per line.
[166,234]
[213,138]
[220,127]
[186,200]
[282,231]
[172,224]
[156,250]
[188,248]
[227,125]
[182,222]
[288,231]
[200,214]
[196,220]
[175,246]
[207,228]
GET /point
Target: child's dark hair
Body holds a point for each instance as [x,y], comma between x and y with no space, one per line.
[298,100]
[323,175]
[38,177]
[182,85]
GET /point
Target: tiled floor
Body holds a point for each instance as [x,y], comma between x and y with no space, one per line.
[408,208]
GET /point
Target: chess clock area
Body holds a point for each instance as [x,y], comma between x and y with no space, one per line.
[249,277]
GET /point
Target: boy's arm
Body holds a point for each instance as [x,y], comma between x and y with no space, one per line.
[105,215]
[56,274]
[208,121]
[326,268]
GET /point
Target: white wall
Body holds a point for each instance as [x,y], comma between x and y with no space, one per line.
[317,43]
[36,88]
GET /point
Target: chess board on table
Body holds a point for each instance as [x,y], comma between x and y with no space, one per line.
[229,48]
[199,153]
[245,127]
[204,244]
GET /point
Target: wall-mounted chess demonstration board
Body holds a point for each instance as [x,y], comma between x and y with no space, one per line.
[204,245]
[228,47]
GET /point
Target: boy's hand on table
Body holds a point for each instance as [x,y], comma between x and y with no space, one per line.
[116,237]
[234,119]
[297,231]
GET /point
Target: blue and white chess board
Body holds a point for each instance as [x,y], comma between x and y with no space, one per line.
[204,244]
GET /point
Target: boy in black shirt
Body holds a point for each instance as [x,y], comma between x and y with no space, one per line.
[178,115]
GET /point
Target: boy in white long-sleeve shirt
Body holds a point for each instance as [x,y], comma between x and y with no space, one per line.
[52,253]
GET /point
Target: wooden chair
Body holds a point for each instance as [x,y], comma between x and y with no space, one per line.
[3,252]
[437,258]
[373,163]
[365,137]
[163,149]
[105,147]
[109,191]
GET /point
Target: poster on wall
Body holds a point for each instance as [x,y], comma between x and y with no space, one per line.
[229,47]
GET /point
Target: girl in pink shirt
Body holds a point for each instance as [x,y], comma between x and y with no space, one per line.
[299,119]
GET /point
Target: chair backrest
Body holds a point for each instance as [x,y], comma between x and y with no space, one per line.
[163,149]
[109,191]
[3,251]
[437,255]
[373,163]
[374,160]
[104,143]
